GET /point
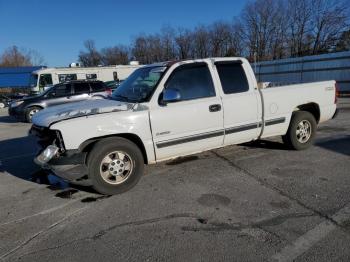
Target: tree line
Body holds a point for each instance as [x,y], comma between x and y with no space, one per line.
[265,30]
[15,56]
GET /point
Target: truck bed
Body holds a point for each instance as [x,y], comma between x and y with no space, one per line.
[279,101]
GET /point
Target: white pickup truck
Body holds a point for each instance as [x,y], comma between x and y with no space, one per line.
[172,109]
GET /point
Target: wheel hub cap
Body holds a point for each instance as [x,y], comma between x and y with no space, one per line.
[33,112]
[303,131]
[116,167]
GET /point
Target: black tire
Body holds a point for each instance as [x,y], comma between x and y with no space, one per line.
[29,113]
[291,139]
[102,149]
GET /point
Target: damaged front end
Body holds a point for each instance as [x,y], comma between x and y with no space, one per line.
[50,143]
[68,164]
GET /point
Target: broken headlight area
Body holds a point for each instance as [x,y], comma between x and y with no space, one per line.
[47,154]
[48,137]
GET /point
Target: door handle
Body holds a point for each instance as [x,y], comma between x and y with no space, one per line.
[214,108]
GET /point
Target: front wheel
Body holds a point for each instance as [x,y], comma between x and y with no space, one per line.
[31,112]
[115,165]
[301,131]
[2,105]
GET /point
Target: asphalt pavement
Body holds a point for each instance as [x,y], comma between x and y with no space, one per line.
[251,202]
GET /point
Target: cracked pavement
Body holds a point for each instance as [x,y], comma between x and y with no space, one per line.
[251,202]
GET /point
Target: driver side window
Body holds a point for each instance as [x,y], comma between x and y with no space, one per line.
[192,81]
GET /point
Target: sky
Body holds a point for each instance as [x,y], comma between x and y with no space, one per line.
[58,29]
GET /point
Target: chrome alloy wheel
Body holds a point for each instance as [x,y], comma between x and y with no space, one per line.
[116,167]
[304,131]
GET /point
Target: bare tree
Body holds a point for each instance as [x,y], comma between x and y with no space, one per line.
[13,57]
[117,55]
[36,59]
[259,22]
[201,44]
[266,29]
[278,38]
[140,49]
[328,20]
[90,57]
[183,42]
[344,42]
[220,38]
[168,43]
[299,26]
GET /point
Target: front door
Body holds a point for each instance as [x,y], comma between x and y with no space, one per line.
[195,122]
[59,94]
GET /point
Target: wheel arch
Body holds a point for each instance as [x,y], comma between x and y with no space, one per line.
[312,108]
[87,145]
[34,105]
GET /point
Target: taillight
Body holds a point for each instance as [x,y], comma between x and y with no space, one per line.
[109,91]
[336,95]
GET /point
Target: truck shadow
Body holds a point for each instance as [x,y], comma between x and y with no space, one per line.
[266,144]
[16,159]
[339,145]
[8,119]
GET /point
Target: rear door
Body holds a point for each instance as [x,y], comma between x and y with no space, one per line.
[81,92]
[98,89]
[193,124]
[240,103]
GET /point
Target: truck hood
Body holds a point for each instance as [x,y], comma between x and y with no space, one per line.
[72,110]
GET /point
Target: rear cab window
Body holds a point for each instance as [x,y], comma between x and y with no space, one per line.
[232,77]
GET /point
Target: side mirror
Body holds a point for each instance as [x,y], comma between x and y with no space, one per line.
[171,95]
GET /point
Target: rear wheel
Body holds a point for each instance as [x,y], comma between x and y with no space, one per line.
[301,131]
[31,112]
[115,165]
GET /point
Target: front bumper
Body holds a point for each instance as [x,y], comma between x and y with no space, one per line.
[69,165]
[17,112]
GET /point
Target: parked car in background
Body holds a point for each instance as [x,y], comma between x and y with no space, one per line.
[69,92]
[4,101]
[167,110]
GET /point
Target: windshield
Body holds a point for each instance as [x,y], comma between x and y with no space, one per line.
[33,80]
[139,86]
